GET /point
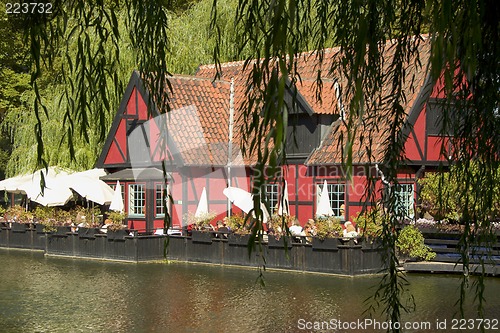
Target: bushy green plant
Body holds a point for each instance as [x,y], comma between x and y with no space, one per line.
[47,216]
[236,223]
[442,195]
[200,221]
[328,227]
[278,223]
[116,219]
[88,217]
[18,214]
[410,242]
[370,223]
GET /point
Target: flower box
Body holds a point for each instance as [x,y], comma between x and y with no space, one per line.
[39,228]
[325,244]
[117,234]
[274,242]
[369,244]
[238,239]
[87,232]
[198,236]
[62,230]
[19,227]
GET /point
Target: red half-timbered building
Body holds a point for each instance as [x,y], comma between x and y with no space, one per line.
[194,140]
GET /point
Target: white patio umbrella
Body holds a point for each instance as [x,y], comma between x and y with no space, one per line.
[117,201]
[91,189]
[243,200]
[56,191]
[12,184]
[324,208]
[284,206]
[202,208]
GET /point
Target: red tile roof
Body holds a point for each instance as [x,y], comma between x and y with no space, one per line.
[371,138]
[199,120]
[373,129]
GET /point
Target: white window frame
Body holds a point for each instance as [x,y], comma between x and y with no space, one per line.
[159,200]
[405,200]
[337,198]
[272,196]
[136,204]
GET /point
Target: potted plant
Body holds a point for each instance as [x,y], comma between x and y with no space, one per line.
[45,219]
[410,244]
[240,234]
[328,230]
[63,222]
[202,229]
[19,218]
[277,229]
[3,220]
[369,224]
[115,227]
[87,221]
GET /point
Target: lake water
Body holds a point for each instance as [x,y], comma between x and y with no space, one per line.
[48,294]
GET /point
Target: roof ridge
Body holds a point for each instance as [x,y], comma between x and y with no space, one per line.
[196,78]
[235,63]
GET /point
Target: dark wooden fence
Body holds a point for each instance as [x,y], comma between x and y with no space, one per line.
[336,256]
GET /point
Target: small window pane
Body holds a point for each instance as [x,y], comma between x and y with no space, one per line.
[272,196]
[137,199]
[405,201]
[159,197]
[336,192]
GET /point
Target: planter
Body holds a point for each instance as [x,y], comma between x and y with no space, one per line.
[325,244]
[117,234]
[273,242]
[87,232]
[39,228]
[198,236]
[369,244]
[19,227]
[62,230]
[238,239]
[437,234]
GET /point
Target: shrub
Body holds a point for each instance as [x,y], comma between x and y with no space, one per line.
[18,214]
[236,223]
[200,221]
[328,227]
[278,223]
[47,217]
[410,242]
[370,223]
[443,195]
[88,217]
[117,219]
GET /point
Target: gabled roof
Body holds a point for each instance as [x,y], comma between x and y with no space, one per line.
[374,128]
[198,124]
[371,136]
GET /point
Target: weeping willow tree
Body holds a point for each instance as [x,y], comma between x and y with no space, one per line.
[465,46]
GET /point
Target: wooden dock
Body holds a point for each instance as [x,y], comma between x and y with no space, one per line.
[448,267]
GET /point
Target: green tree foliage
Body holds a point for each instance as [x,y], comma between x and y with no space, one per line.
[59,124]
[192,41]
[14,78]
[410,242]
[442,195]
[192,44]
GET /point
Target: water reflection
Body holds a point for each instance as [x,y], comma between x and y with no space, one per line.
[43,294]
